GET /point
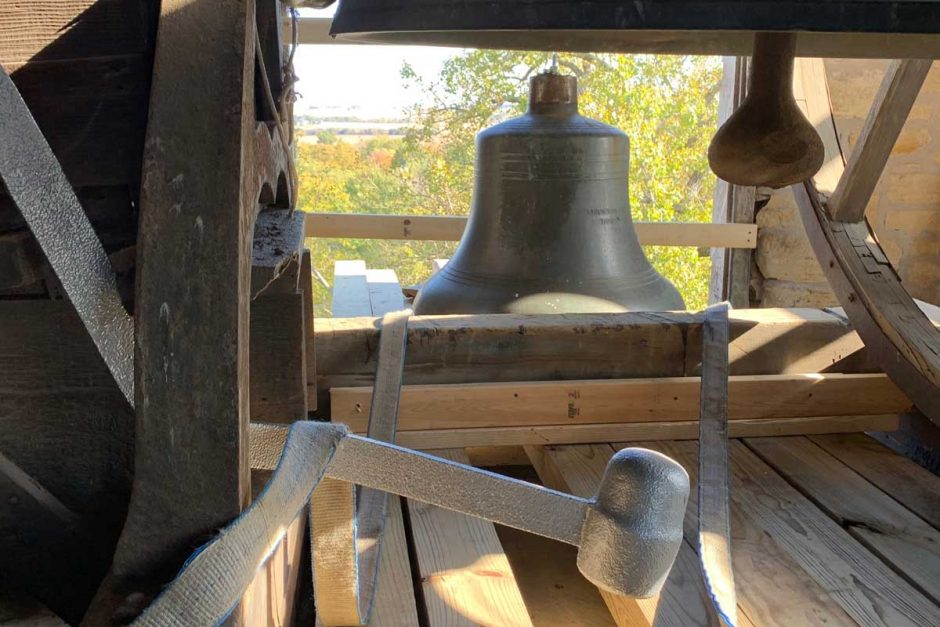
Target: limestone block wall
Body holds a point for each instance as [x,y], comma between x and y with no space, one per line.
[904,211]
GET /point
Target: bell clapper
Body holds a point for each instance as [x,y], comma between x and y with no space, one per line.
[768,142]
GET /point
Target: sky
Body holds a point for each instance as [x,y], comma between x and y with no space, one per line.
[360,80]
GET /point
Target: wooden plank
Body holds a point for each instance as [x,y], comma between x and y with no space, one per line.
[899,537]
[385,293]
[862,45]
[278,373]
[394,596]
[772,588]
[350,290]
[909,484]
[869,591]
[458,349]
[580,434]
[450,228]
[465,575]
[682,601]
[270,598]
[72,29]
[889,111]
[473,405]
[554,591]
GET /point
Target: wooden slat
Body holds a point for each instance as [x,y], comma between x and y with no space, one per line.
[889,111]
[903,540]
[350,290]
[394,596]
[269,598]
[772,588]
[465,575]
[909,484]
[315,30]
[869,591]
[580,434]
[71,29]
[578,470]
[539,403]
[450,228]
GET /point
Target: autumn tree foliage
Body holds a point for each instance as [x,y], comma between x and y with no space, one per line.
[666,104]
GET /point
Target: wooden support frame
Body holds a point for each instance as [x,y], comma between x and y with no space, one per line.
[541,403]
[897,334]
[450,228]
[206,175]
[315,30]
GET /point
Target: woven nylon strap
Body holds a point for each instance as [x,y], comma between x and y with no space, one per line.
[347,524]
[714,514]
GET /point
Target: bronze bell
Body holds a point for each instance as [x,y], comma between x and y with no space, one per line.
[550,228]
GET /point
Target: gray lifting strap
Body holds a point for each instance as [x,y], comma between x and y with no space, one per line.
[37,184]
[714,513]
[347,523]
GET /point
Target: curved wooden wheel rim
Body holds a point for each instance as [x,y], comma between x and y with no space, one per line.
[894,329]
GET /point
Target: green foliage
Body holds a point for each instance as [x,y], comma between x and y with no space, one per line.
[666,104]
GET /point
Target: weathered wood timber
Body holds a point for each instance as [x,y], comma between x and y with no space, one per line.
[192,344]
[457,349]
[65,424]
[536,403]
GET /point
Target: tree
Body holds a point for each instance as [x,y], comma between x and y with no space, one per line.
[666,104]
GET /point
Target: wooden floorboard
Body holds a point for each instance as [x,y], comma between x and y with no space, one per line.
[578,470]
[867,590]
[900,537]
[916,488]
[465,576]
[394,596]
[772,589]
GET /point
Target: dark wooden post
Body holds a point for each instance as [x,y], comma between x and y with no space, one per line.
[207,160]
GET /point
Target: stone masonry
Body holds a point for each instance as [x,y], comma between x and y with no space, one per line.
[904,211]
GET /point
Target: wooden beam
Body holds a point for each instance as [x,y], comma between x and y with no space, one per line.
[205,174]
[897,334]
[465,575]
[450,228]
[278,373]
[458,349]
[538,403]
[315,30]
[901,538]
[431,439]
[889,111]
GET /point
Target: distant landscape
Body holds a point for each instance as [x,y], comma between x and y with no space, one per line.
[352,160]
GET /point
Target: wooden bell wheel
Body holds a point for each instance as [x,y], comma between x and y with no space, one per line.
[895,331]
